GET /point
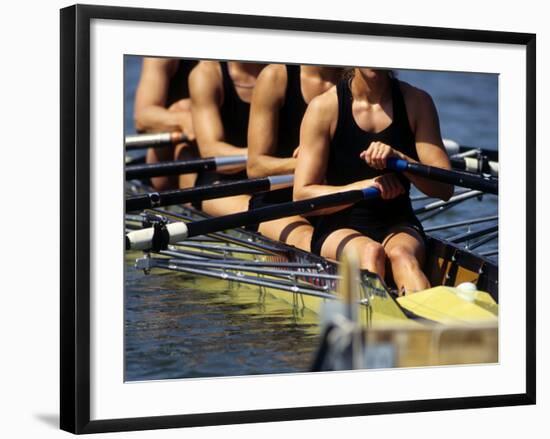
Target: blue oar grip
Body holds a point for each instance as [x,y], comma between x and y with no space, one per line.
[370,192]
[396,164]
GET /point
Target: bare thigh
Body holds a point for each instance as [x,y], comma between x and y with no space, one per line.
[294,230]
[186,151]
[156,155]
[348,239]
[407,238]
[226,206]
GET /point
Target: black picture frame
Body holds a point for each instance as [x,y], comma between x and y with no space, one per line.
[75,217]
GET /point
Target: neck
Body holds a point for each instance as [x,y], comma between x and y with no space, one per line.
[372,88]
[328,74]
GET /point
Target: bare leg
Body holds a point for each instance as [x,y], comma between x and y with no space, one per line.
[406,253]
[186,151]
[180,152]
[226,206]
[294,230]
[155,155]
[371,253]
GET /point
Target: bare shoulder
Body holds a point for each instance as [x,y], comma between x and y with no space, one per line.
[323,109]
[274,74]
[416,98]
[271,83]
[165,65]
[206,71]
[205,79]
[325,105]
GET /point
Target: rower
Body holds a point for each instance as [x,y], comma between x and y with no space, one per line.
[162,104]
[279,102]
[347,135]
[221,93]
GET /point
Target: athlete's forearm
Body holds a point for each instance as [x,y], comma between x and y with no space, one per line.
[318,190]
[266,165]
[429,187]
[222,149]
[158,119]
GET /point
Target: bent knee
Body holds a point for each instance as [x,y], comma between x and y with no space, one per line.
[373,252]
[402,255]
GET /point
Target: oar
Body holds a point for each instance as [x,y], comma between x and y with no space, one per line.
[153,140]
[463,179]
[481,165]
[159,237]
[181,196]
[179,167]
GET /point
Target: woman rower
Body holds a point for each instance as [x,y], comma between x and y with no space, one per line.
[220,94]
[347,135]
[279,102]
[162,104]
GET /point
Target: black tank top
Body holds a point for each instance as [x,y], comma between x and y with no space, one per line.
[345,166]
[179,86]
[291,114]
[234,112]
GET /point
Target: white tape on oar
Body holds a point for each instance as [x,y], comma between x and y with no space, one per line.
[177,232]
[140,239]
[143,239]
[471,164]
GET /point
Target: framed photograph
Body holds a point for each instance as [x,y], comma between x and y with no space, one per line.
[268,219]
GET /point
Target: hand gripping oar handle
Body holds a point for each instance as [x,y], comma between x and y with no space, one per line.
[153,140]
[463,179]
[159,237]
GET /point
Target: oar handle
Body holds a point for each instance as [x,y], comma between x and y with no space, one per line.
[179,167]
[153,140]
[458,178]
[201,193]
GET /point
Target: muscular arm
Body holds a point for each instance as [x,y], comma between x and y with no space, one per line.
[150,113]
[315,137]
[263,126]
[206,89]
[429,145]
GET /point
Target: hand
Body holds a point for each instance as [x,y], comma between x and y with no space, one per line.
[183,110]
[389,186]
[295,153]
[377,153]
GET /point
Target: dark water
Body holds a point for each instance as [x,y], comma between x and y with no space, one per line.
[177,326]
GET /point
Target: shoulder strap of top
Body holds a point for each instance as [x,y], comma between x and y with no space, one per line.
[344,98]
[293,92]
[399,108]
[228,86]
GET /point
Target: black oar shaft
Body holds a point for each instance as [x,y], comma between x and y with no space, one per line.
[458,178]
[179,167]
[158,238]
[153,140]
[170,198]
[281,210]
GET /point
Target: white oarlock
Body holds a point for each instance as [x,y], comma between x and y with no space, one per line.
[141,239]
